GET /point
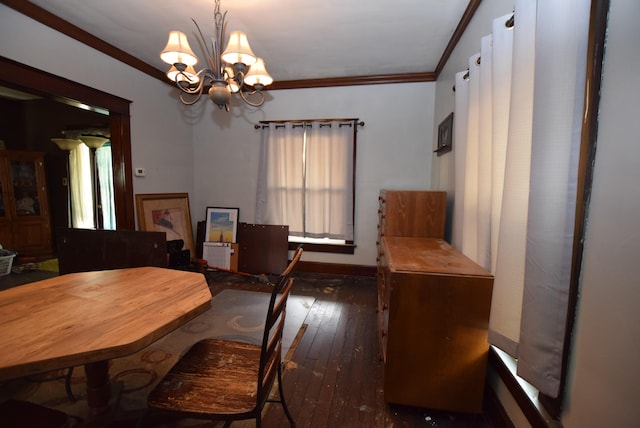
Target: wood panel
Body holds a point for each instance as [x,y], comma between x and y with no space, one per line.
[82,250]
[412,213]
[263,248]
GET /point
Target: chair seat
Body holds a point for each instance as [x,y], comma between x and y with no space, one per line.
[215,377]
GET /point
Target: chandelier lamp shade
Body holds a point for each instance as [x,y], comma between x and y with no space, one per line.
[236,70]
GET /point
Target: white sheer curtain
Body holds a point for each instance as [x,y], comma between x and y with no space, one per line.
[511,219]
[517,164]
[306,178]
[329,181]
[105,177]
[280,198]
[81,193]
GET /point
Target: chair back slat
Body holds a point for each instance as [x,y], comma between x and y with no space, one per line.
[271,352]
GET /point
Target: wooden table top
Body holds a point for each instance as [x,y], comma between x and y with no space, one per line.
[86,317]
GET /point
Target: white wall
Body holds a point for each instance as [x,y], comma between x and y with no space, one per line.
[604,375]
[393,150]
[160,137]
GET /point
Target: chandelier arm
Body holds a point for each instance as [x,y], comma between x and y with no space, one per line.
[191,94]
[203,41]
[190,102]
[218,41]
[258,103]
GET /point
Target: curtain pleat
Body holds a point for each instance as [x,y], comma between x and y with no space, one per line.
[485,154]
[460,155]
[470,201]
[506,306]
[501,62]
[81,191]
[105,177]
[557,118]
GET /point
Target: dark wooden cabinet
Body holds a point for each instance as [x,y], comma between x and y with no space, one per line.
[24,210]
[433,311]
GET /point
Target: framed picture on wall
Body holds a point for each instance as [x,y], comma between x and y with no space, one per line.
[221,225]
[445,136]
[166,212]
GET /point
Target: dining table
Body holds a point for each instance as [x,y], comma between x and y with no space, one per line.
[90,318]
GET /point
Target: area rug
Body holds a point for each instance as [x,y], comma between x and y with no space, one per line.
[234,314]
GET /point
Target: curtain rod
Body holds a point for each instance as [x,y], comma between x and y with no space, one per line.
[266,122]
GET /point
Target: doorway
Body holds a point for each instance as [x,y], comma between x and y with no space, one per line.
[63,92]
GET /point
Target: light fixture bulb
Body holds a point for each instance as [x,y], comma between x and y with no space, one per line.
[188,75]
[238,50]
[178,51]
[258,75]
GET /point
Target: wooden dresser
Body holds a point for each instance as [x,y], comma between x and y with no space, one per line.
[433,314]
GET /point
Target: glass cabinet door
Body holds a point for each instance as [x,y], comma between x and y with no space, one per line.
[2,199]
[25,187]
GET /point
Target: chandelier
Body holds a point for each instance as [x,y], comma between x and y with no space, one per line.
[235,71]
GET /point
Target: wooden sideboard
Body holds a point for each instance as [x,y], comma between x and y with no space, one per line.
[433,315]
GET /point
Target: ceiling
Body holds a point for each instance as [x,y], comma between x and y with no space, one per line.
[298,39]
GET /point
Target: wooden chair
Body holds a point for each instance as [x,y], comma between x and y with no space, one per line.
[220,379]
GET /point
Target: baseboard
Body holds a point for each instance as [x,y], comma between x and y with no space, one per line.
[336,268]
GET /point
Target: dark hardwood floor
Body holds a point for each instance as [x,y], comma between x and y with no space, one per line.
[335,376]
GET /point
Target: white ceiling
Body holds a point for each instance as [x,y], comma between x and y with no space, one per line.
[298,39]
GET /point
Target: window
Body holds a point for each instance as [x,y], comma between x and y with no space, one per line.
[306,179]
[92,189]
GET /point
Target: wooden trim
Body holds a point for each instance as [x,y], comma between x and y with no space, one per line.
[457,34]
[353,81]
[120,128]
[38,82]
[337,268]
[50,20]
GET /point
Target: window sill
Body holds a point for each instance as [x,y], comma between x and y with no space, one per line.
[324,248]
[524,393]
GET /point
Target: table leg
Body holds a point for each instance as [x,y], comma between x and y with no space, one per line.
[98,387]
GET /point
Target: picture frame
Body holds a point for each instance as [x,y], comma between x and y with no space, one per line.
[166,212]
[445,135]
[221,224]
